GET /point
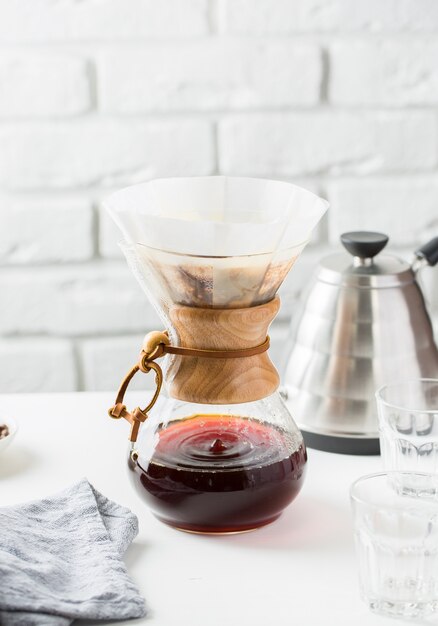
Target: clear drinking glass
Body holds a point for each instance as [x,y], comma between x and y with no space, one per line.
[396,538]
[408,424]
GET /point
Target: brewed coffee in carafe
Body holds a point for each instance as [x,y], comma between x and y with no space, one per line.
[219,452]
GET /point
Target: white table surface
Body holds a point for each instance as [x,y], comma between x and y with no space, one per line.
[299,570]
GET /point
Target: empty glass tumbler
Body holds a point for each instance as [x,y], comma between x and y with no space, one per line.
[408,424]
[396,538]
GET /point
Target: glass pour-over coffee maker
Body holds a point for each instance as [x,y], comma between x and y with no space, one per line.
[221,454]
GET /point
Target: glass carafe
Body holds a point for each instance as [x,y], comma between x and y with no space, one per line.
[219,469]
[221,453]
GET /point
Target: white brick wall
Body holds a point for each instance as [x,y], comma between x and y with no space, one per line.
[43,21]
[334,16]
[384,73]
[324,142]
[37,364]
[337,96]
[92,151]
[247,74]
[45,230]
[44,84]
[105,360]
[87,299]
[407,208]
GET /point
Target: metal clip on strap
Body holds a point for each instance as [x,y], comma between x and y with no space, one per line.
[155,345]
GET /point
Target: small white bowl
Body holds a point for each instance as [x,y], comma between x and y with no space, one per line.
[13,427]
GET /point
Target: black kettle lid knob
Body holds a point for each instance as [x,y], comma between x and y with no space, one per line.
[364,244]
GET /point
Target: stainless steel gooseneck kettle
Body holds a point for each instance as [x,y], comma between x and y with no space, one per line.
[363,323]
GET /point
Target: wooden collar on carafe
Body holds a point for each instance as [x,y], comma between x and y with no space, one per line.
[222,360]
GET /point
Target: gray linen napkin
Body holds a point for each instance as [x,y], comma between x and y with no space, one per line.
[61,560]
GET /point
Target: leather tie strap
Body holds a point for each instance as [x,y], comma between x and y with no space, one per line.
[218,354]
[155,345]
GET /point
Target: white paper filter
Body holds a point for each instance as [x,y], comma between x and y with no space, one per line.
[215,241]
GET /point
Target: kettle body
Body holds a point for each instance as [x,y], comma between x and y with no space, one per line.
[362,323]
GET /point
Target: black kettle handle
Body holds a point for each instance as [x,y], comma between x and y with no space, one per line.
[429,252]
